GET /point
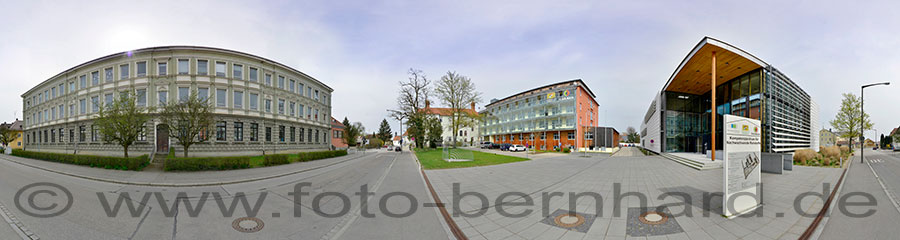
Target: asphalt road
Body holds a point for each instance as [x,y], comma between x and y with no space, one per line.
[861,179]
[184,213]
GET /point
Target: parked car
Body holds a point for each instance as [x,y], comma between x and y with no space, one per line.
[495,146]
[505,146]
[398,149]
[516,148]
[390,149]
[875,148]
[486,144]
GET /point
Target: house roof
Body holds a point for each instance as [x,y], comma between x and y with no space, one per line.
[336,124]
[15,126]
[397,138]
[894,131]
[564,83]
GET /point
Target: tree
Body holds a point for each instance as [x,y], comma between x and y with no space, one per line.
[632,135]
[188,120]
[7,135]
[352,131]
[435,130]
[413,94]
[849,119]
[122,121]
[458,92]
[384,131]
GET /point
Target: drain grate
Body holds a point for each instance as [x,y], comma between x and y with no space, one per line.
[645,222]
[248,224]
[573,221]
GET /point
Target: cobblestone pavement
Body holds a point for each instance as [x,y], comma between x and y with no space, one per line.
[649,175]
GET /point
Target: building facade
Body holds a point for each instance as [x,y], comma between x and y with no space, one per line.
[827,138]
[554,116]
[337,135]
[466,135]
[678,119]
[260,105]
[16,128]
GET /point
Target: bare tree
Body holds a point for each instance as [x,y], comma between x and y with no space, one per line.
[458,92]
[189,120]
[413,94]
[122,122]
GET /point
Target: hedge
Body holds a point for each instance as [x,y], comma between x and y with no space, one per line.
[121,163]
[207,163]
[279,159]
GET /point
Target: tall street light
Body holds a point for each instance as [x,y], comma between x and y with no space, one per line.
[862,119]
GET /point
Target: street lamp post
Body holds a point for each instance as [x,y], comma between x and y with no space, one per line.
[862,120]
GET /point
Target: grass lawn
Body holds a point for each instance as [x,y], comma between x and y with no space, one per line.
[432,159]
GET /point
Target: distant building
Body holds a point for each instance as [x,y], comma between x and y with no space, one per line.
[16,127]
[466,135]
[827,138]
[337,135]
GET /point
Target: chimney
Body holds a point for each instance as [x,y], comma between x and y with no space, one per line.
[427,104]
[473,106]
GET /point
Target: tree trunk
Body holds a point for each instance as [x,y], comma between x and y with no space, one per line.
[126,150]
[186,150]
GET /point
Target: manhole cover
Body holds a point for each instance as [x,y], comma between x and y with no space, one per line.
[248,224]
[569,220]
[653,218]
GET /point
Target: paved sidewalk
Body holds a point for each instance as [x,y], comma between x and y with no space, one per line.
[529,155]
[881,225]
[177,179]
[649,175]
[628,152]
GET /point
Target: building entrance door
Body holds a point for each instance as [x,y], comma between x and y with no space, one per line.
[162,138]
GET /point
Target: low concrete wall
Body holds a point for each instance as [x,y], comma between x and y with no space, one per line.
[772,163]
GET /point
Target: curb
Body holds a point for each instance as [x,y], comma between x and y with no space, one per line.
[813,230]
[454,229]
[150,184]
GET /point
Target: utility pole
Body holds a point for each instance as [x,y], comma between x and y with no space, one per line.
[862,120]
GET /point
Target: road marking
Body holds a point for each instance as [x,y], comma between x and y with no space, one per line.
[884,187]
[354,214]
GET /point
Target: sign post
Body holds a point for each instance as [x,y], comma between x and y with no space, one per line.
[742,173]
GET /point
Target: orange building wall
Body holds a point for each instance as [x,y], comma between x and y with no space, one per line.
[584,104]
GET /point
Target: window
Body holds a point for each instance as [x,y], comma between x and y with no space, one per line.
[71,110]
[81,135]
[237,71]
[238,99]
[71,135]
[317,114]
[301,134]
[141,69]
[281,133]
[94,133]
[142,97]
[280,106]
[300,111]
[220,131]
[317,95]
[109,74]
[71,86]
[221,97]
[268,105]
[293,108]
[281,82]
[254,101]
[570,136]
[61,111]
[291,85]
[268,134]
[309,135]
[268,80]
[238,131]
[83,106]
[220,69]
[162,68]
[317,135]
[308,112]
[184,66]
[253,74]
[108,99]
[83,81]
[95,78]
[293,135]
[254,132]
[53,92]
[52,113]
[589,135]
[543,136]
[95,101]
[142,133]
[555,136]
[162,95]
[123,71]
[202,93]
[300,88]
[183,94]
[202,67]
[308,91]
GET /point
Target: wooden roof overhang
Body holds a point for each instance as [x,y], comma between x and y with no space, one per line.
[693,74]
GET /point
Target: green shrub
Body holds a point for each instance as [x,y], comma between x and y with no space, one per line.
[375,143]
[207,163]
[311,156]
[122,163]
[276,159]
[566,150]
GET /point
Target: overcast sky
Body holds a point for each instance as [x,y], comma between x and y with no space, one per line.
[624,50]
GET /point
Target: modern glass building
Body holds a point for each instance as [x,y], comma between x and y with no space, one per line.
[678,119]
